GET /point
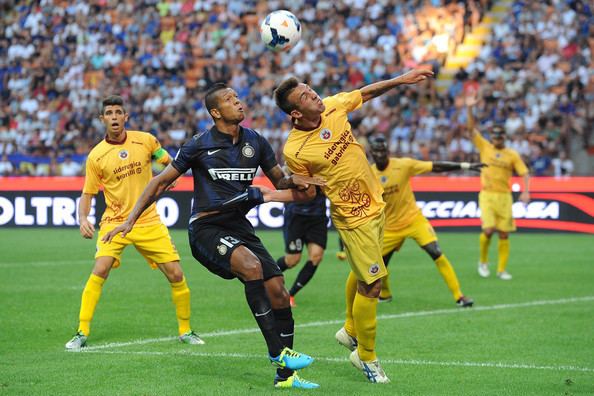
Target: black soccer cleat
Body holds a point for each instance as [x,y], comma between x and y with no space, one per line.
[465,302]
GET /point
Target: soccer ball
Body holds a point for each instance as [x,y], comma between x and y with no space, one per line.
[280,30]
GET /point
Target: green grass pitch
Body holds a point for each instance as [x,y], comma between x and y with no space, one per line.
[533,335]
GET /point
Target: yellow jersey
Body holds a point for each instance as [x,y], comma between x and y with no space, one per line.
[401,205]
[331,151]
[496,177]
[124,170]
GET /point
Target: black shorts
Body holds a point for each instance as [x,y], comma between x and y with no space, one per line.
[299,230]
[213,238]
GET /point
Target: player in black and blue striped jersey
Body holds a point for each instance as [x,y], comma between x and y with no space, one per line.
[224,162]
[305,226]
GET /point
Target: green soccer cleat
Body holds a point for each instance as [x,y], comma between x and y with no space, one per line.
[191,338]
[78,341]
[291,359]
[294,381]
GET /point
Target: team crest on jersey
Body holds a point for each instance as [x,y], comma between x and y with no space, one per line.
[123,154]
[384,179]
[498,155]
[325,134]
[374,269]
[222,249]
[248,151]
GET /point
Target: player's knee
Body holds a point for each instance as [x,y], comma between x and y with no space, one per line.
[433,250]
[316,258]
[250,269]
[503,235]
[292,259]
[174,273]
[372,290]
[488,232]
[277,292]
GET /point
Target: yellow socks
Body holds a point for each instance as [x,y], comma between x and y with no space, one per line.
[449,276]
[386,292]
[484,243]
[503,248]
[180,294]
[350,292]
[90,298]
[365,314]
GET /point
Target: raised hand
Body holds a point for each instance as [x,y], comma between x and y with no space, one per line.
[416,75]
[471,99]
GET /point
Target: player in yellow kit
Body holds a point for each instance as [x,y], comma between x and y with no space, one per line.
[495,198]
[404,218]
[121,164]
[322,144]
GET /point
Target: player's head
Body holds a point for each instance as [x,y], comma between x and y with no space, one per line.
[223,104]
[379,149]
[298,99]
[113,115]
[498,136]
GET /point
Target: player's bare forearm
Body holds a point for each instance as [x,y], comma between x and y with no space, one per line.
[289,195]
[446,166]
[525,195]
[414,76]
[282,181]
[87,230]
[153,190]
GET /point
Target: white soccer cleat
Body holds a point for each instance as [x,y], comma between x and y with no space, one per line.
[504,275]
[372,370]
[78,341]
[345,339]
[191,338]
[483,270]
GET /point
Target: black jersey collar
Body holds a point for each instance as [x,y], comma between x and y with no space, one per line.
[225,137]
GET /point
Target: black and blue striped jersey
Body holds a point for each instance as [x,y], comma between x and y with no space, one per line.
[315,207]
[222,170]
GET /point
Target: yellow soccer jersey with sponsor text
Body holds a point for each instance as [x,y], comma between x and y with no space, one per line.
[124,170]
[332,152]
[496,177]
[401,205]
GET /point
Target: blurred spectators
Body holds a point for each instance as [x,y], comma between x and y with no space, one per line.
[58,59]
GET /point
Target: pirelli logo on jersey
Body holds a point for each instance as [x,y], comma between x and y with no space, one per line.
[234,174]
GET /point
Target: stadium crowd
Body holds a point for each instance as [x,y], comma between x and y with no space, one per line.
[58,59]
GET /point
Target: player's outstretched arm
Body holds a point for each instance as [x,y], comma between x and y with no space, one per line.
[376,89]
[87,230]
[471,101]
[282,181]
[446,166]
[152,191]
[287,195]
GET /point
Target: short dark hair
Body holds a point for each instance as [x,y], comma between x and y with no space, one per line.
[378,142]
[211,100]
[112,100]
[282,92]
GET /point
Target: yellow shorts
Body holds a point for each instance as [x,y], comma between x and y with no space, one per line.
[419,229]
[363,247]
[152,241]
[496,211]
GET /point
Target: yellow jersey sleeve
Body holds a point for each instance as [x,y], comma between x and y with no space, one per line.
[296,167]
[350,101]
[479,141]
[92,179]
[519,165]
[158,153]
[417,167]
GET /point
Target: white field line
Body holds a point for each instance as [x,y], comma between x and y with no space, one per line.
[53,263]
[402,362]
[341,321]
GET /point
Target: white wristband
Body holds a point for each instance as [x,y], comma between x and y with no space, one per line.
[465,165]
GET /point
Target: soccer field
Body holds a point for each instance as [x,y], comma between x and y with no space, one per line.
[533,335]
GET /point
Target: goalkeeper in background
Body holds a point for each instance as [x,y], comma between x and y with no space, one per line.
[404,218]
[495,198]
[121,164]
